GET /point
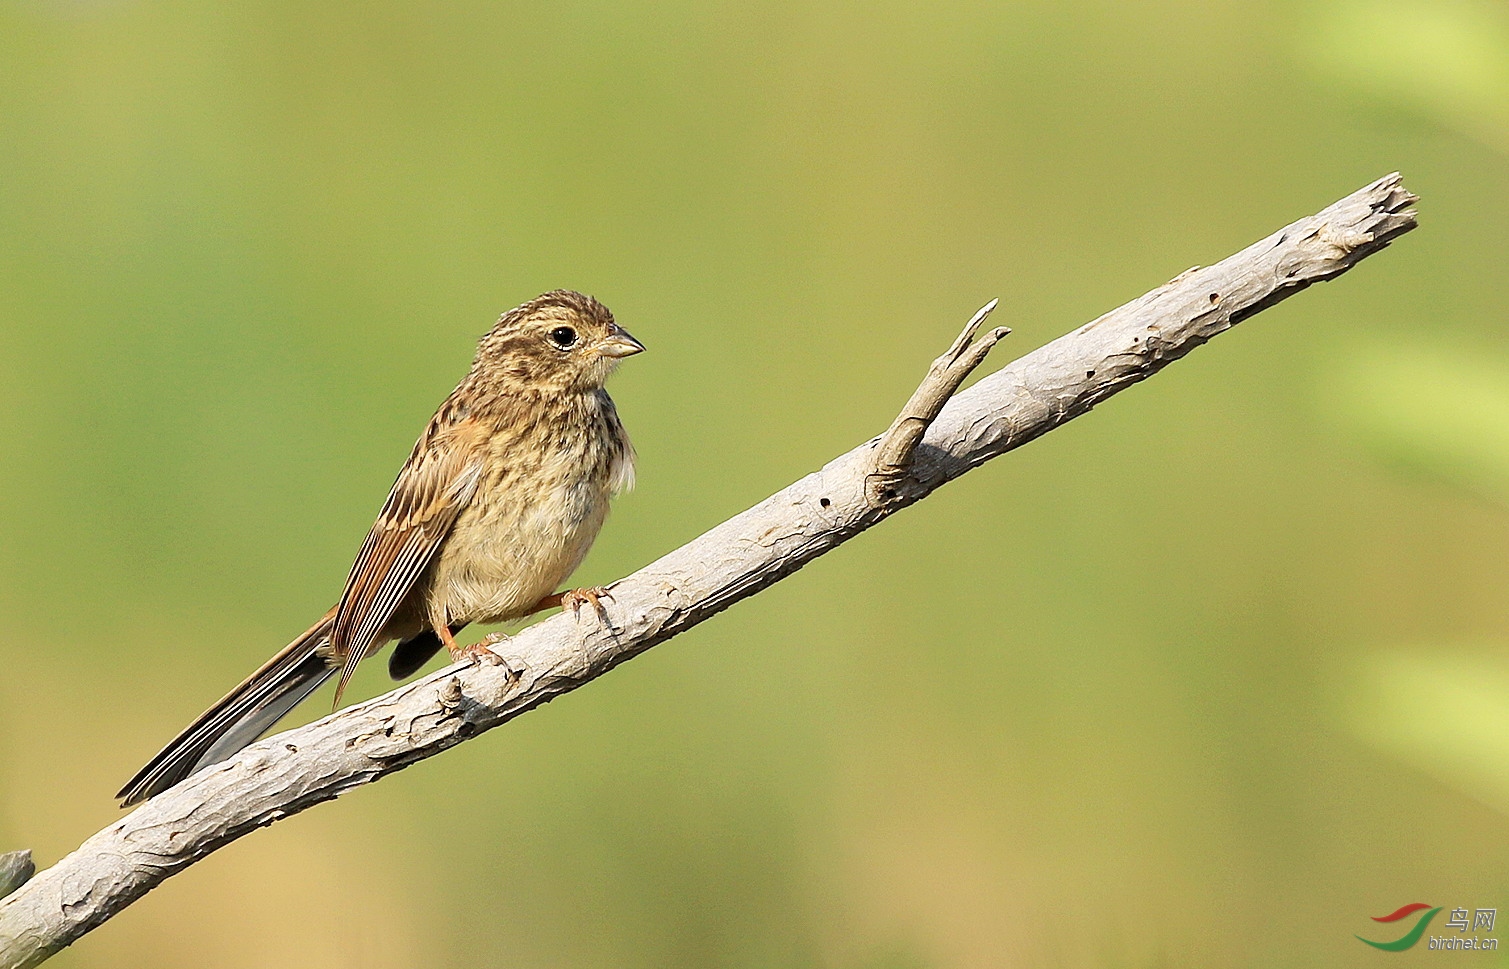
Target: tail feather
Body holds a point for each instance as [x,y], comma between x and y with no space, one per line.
[241,716]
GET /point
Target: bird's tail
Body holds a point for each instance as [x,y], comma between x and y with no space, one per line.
[241,716]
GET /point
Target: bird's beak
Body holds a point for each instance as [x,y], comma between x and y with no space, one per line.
[619,344]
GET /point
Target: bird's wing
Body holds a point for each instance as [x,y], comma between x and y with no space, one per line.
[436,484]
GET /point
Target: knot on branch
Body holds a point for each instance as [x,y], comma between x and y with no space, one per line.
[16,869]
[893,454]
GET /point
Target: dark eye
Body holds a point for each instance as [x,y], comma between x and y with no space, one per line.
[564,337]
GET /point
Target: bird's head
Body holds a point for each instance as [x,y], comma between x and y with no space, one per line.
[560,341]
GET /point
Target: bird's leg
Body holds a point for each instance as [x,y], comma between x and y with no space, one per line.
[448,640]
[574,599]
[548,602]
[479,651]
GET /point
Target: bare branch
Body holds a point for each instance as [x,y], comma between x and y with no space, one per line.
[289,772]
[893,457]
[16,869]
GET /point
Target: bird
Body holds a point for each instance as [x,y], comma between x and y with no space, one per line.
[496,506]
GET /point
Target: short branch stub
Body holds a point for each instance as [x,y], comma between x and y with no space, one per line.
[894,450]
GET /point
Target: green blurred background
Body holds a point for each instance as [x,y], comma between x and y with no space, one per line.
[1206,678]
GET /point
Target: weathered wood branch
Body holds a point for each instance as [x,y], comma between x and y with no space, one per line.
[16,869]
[893,454]
[289,772]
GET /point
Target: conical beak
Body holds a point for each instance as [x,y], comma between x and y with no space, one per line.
[620,344]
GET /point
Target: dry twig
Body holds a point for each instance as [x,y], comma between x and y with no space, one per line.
[925,448]
[893,456]
[16,869]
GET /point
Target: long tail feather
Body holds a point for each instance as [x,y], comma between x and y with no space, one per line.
[240,717]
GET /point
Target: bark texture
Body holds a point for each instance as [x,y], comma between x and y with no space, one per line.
[291,771]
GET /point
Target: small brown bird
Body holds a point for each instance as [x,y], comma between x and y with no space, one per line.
[496,506]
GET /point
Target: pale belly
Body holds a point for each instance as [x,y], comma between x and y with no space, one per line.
[503,555]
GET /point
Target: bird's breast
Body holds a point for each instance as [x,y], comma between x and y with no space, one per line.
[542,500]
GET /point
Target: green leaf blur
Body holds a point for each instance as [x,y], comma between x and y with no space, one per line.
[1180,684]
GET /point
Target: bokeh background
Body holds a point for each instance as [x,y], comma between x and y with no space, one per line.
[1206,678]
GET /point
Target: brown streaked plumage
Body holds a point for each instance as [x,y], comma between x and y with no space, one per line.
[495,507]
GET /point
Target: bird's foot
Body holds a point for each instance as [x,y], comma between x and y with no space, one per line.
[576,598]
[480,651]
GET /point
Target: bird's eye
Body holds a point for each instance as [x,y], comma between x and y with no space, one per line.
[564,337]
